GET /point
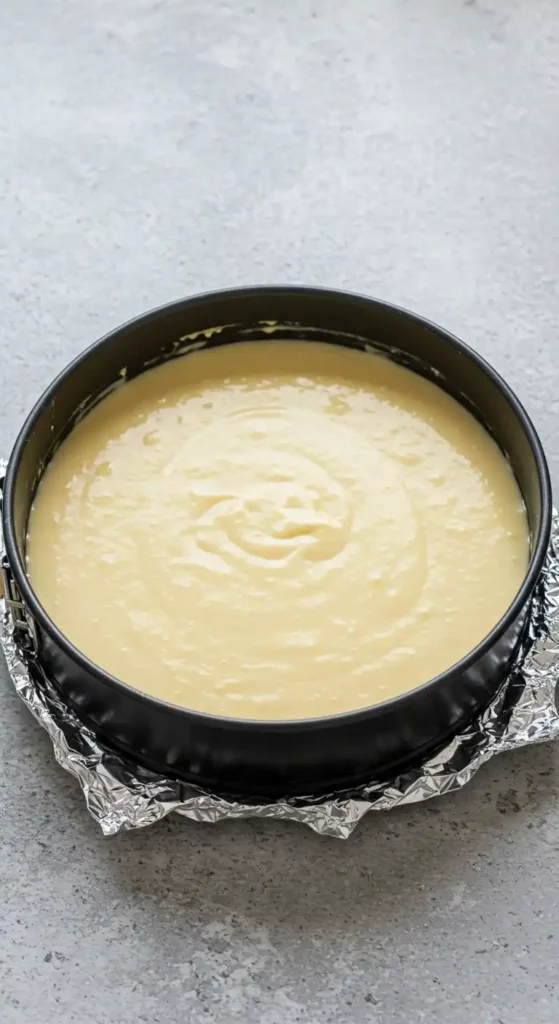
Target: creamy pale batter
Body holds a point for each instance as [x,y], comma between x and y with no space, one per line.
[277,529]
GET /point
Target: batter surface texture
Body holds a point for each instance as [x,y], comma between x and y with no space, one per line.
[277,529]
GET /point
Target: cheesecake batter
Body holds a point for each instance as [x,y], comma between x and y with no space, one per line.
[277,530]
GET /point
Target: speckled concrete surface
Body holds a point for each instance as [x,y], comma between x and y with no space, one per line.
[151,149]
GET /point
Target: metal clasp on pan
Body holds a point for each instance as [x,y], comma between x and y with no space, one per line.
[23,622]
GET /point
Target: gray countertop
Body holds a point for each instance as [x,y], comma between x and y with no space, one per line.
[150,149]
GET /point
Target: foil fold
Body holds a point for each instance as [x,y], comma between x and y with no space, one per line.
[121,795]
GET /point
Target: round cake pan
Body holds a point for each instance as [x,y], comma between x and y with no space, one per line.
[271,758]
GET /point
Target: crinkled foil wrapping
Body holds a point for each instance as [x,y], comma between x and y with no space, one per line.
[120,795]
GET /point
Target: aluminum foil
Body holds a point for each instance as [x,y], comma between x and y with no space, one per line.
[120,795]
